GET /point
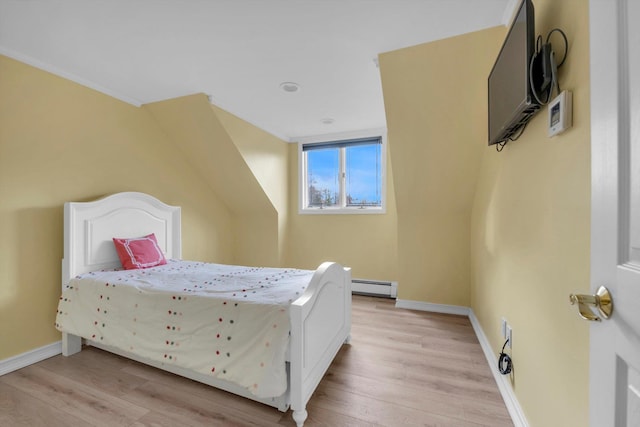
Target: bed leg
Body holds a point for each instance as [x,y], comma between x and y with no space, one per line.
[299,417]
[71,344]
[347,340]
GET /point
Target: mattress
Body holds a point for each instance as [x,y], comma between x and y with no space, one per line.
[230,322]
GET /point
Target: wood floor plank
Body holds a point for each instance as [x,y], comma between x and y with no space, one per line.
[353,389]
[402,367]
[19,409]
[231,403]
[92,405]
[92,369]
[192,411]
[462,386]
[321,417]
[182,402]
[384,413]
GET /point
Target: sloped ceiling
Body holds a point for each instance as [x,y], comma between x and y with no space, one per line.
[239,51]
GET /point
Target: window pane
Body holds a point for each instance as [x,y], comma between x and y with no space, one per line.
[364,186]
[323,177]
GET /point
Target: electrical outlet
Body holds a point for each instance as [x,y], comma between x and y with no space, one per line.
[504,328]
[509,336]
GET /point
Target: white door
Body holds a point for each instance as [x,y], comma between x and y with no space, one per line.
[615,230]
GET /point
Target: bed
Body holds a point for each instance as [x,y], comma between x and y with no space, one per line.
[318,318]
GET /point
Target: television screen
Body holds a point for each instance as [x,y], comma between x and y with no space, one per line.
[510,101]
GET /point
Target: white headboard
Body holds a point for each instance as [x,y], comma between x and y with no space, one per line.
[90,226]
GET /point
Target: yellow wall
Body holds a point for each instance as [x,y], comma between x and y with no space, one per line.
[195,127]
[434,95]
[366,243]
[267,157]
[530,241]
[60,142]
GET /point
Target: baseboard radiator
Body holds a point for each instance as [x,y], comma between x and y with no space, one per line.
[374,288]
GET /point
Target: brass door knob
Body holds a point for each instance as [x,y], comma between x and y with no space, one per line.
[601,300]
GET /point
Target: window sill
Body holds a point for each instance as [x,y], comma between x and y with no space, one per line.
[342,211]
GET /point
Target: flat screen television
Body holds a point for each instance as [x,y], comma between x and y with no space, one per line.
[511,104]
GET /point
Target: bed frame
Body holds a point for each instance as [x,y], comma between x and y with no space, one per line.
[320,318]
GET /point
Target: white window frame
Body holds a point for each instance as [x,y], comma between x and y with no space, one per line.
[342,209]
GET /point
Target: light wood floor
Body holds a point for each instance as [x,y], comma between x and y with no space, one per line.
[402,368]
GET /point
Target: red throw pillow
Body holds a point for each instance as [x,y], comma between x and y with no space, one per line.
[139,252]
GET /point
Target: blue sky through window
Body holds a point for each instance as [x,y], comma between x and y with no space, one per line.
[363,175]
[323,168]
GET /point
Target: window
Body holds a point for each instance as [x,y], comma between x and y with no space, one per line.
[343,176]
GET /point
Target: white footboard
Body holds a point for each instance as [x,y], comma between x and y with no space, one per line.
[320,324]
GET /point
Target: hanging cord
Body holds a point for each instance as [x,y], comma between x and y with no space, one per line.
[505,364]
[554,84]
[500,145]
[566,43]
[531,62]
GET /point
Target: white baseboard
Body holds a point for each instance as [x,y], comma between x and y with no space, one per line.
[34,356]
[435,308]
[509,397]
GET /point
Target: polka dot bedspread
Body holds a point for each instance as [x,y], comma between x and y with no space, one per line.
[230,322]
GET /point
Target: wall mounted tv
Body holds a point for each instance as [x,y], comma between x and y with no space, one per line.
[511,104]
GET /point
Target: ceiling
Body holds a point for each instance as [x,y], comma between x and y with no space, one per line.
[239,51]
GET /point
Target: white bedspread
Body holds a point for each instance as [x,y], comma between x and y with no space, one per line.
[231,322]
